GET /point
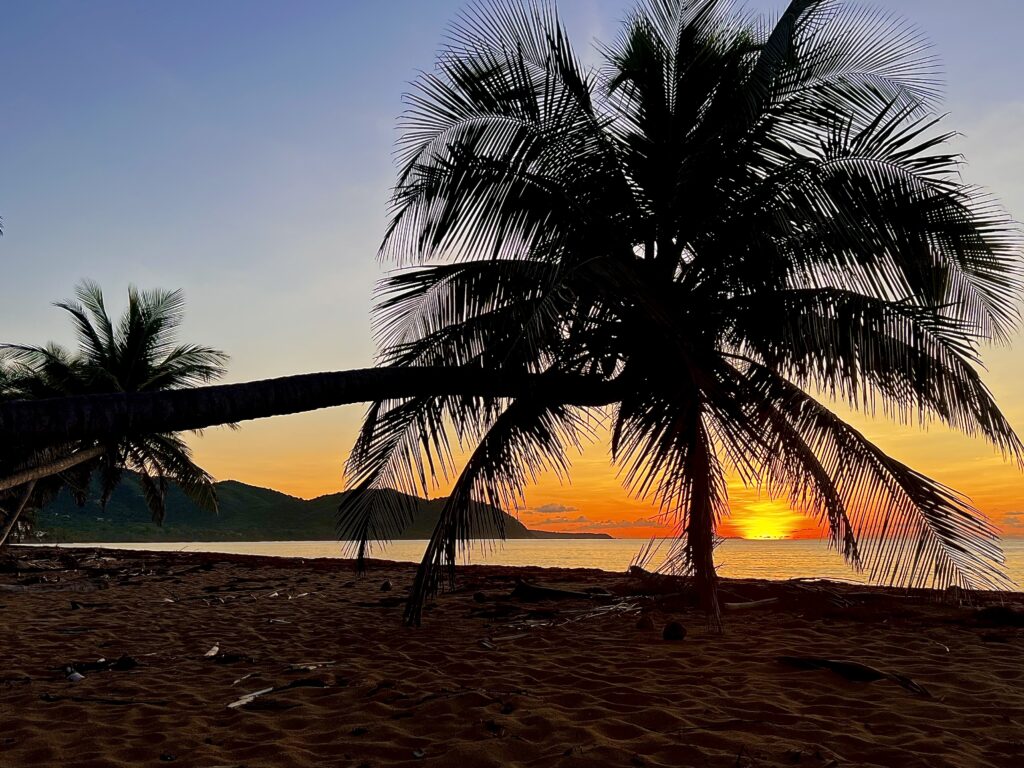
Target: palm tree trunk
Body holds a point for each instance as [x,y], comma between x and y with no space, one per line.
[700,526]
[13,519]
[701,539]
[32,474]
[36,422]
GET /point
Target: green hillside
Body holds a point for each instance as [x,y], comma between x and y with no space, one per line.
[247,513]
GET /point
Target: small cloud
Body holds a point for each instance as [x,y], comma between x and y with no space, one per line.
[643,522]
[563,520]
[553,509]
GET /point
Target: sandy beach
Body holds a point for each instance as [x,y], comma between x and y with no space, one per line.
[169,645]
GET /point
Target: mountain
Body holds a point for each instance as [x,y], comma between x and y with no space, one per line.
[247,513]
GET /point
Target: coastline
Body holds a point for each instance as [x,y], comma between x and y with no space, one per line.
[487,680]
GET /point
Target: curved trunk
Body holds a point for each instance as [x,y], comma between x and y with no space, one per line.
[36,422]
[13,519]
[32,474]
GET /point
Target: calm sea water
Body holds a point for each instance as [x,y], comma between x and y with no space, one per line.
[737,558]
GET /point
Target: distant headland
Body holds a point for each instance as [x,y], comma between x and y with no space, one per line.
[247,513]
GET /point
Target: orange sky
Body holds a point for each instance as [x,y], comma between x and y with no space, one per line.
[303,455]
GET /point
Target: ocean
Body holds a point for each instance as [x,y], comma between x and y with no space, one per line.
[736,558]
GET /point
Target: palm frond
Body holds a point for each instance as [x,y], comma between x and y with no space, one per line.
[527,438]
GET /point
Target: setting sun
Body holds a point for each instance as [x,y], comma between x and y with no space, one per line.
[764,519]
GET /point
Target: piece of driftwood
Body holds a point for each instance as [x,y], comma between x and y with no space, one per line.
[532,593]
[854,670]
[750,604]
[652,583]
[249,698]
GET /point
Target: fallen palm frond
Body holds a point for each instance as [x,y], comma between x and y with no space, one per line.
[855,671]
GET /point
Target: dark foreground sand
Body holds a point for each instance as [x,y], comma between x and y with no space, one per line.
[484,682]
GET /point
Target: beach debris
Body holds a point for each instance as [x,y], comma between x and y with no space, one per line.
[645,623]
[535,592]
[419,754]
[232,658]
[278,621]
[74,676]
[494,728]
[657,583]
[497,611]
[120,664]
[750,604]
[123,664]
[385,586]
[310,666]
[673,631]
[485,643]
[244,678]
[248,699]
[212,652]
[854,671]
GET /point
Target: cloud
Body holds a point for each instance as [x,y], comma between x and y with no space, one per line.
[564,520]
[553,509]
[599,525]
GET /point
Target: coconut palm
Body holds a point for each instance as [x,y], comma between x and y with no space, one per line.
[137,355]
[736,223]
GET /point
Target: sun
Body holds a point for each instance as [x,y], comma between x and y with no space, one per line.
[765,520]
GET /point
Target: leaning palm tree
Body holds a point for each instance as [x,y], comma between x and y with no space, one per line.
[736,224]
[138,354]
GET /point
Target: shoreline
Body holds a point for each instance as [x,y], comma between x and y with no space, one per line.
[139,548]
[488,679]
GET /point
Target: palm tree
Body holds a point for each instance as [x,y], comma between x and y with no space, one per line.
[137,355]
[734,222]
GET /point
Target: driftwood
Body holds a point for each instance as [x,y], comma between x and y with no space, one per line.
[853,670]
[534,592]
[249,698]
[658,583]
[750,604]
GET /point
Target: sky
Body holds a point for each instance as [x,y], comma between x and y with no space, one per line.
[242,151]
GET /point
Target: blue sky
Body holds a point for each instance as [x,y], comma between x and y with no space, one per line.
[242,151]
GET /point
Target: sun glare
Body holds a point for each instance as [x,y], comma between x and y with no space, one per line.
[765,520]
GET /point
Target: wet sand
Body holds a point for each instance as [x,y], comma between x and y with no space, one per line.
[488,680]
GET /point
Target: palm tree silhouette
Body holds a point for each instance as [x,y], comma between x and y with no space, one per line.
[137,355]
[729,220]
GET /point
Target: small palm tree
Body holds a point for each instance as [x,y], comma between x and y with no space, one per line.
[733,222]
[138,354]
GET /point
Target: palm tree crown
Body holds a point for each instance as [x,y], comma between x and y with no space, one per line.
[140,353]
[733,221]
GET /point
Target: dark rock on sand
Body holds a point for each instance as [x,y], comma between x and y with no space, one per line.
[674,631]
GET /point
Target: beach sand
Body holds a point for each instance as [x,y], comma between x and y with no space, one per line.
[484,681]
